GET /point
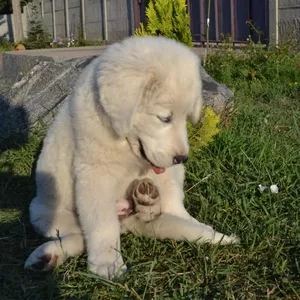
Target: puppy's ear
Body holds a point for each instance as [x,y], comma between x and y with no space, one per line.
[120,93]
[195,115]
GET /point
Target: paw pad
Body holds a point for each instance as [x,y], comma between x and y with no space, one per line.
[45,263]
[145,193]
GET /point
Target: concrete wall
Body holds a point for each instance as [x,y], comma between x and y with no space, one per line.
[63,18]
[119,18]
[88,17]
[289,19]
[7,27]
[284,20]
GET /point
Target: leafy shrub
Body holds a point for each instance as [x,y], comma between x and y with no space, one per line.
[5,45]
[37,37]
[202,135]
[169,19]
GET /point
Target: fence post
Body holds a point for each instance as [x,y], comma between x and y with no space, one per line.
[53,19]
[67,23]
[273,22]
[217,26]
[105,20]
[130,5]
[82,9]
[25,21]
[18,32]
[232,19]
[42,9]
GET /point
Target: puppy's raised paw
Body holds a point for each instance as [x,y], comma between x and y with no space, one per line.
[146,199]
[145,193]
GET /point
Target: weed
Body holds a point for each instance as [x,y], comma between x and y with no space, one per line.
[6,45]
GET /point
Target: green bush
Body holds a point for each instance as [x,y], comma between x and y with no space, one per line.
[38,37]
[5,45]
[169,19]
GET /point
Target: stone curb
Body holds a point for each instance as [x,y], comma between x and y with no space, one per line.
[18,63]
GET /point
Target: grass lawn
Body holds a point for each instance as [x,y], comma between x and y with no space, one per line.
[260,144]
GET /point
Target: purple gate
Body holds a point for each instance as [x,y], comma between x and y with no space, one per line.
[227,18]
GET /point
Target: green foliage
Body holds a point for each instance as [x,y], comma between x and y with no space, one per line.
[5,45]
[203,134]
[169,19]
[5,7]
[265,73]
[38,37]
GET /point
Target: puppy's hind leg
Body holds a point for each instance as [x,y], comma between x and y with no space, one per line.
[168,226]
[53,253]
[148,219]
[62,227]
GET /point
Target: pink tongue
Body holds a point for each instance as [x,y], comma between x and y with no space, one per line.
[158,170]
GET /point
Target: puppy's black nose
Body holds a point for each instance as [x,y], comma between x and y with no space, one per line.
[178,159]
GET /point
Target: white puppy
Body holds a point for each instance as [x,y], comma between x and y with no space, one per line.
[125,120]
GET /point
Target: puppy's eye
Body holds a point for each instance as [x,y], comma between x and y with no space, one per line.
[165,119]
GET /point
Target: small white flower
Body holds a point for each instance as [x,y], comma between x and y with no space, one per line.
[262,187]
[274,189]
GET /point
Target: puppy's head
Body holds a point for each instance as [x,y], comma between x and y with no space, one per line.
[149,88]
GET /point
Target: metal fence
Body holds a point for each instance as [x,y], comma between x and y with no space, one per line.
[227,18]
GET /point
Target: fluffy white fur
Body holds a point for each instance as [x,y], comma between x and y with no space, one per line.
[92,154]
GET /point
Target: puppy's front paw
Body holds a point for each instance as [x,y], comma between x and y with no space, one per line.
[146,199]
[107,265]
[225,239]
[231,239]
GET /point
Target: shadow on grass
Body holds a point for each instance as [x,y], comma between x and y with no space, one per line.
[17,237]
[17,240]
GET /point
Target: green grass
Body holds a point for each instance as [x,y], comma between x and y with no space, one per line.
[5,45]
[259,145]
